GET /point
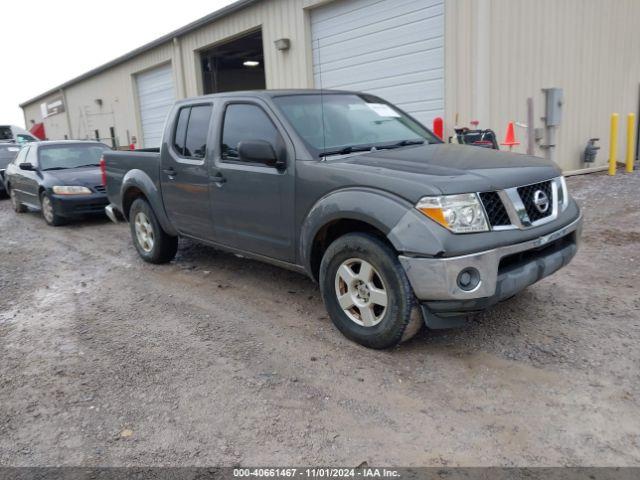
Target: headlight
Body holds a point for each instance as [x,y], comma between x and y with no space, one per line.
[71,190]
[563,195]
[459,213]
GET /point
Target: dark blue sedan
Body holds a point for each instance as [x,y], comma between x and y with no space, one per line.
[62,179]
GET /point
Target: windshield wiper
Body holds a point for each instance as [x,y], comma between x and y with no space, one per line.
[347,150]
[367,148]
[53,168]
[403,143]
[89,165]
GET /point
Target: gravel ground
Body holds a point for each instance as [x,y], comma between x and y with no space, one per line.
[213,359]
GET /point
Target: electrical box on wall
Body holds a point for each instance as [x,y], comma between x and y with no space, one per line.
[553,107]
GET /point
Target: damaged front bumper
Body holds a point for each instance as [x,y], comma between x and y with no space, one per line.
[450,289]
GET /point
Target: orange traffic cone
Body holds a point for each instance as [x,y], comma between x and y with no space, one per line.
[510,138]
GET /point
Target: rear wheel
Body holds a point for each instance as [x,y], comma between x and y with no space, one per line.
[367,293]
[153,244]
[48,211]
[17,206]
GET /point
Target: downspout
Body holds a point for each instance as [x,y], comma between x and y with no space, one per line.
[66,112]
[179,65]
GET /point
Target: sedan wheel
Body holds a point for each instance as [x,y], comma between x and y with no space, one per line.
[47,209]
[144,232]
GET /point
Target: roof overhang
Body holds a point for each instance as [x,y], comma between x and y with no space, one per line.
[217,15]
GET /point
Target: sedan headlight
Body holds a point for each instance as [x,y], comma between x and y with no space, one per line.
[71,190]
[459,213]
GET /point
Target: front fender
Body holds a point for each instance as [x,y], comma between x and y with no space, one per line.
[381,209]
[140,180]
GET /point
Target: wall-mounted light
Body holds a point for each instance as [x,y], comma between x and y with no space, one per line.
[251,63]
[282,44]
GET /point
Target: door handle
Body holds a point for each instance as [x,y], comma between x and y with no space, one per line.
[170,171]
[219,178]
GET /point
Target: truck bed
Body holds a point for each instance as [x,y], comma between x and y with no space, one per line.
[119,164]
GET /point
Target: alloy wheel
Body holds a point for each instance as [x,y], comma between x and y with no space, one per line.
[47,209]
[361,292]
[144,232]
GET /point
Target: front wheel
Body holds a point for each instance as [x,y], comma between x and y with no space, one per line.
[48,211]
[153,244]
[367,293]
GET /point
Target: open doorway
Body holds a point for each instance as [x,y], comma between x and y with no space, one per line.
[234,65]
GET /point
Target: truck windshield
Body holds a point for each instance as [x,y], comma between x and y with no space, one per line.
[61,157]
[339,124]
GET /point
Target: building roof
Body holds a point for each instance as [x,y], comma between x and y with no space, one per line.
[229,9]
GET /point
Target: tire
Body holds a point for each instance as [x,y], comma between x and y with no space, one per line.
[153,244]
[17,206]
[48,211]
[355,298]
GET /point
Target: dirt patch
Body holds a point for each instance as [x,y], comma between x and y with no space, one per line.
[213,359]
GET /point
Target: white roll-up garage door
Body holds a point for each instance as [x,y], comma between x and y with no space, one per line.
[391,48]
[156,95]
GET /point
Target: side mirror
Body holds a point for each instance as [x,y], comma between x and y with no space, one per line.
[27,166]
[259,151]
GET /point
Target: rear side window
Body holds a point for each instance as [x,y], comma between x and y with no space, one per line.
[181,130]
[243,122]
[192,128]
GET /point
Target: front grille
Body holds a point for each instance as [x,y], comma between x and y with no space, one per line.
[527,195]
[100,188]
[494,207]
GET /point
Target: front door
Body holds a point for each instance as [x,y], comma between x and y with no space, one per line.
[184,171]
[252,203]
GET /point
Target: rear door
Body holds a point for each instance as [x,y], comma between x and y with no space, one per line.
[184,174]
[252,203]
[14,176]
[28,180]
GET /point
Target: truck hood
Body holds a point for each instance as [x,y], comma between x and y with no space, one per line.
[448,168]
[85,176]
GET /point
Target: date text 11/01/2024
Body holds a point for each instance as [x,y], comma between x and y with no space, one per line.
[316,472]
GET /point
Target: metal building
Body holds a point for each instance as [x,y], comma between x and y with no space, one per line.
[461,59]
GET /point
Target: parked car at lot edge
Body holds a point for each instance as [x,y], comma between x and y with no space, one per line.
[11,133]
[8,151]
[396,226]
[60,178]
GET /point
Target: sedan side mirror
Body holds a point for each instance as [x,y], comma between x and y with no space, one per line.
[27,166]
[259,151]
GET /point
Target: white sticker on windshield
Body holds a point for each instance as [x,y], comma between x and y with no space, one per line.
[383,110]
[13,149]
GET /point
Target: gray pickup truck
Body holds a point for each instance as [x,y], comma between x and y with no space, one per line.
[398,228]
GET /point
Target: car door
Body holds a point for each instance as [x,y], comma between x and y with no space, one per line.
[31,179]
[184,171]
[253,203]
[15,175]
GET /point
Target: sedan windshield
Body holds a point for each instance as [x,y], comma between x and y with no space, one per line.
[339,124]
[61,157]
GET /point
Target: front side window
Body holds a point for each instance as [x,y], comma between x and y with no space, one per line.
[21,156]
[336,121]
[246,122]
[61,157]
[32,156]
[192,130]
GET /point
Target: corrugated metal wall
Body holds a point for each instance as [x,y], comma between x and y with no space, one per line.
[499,52]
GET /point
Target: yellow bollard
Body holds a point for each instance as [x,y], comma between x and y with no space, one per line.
[631,123]
[613,144]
